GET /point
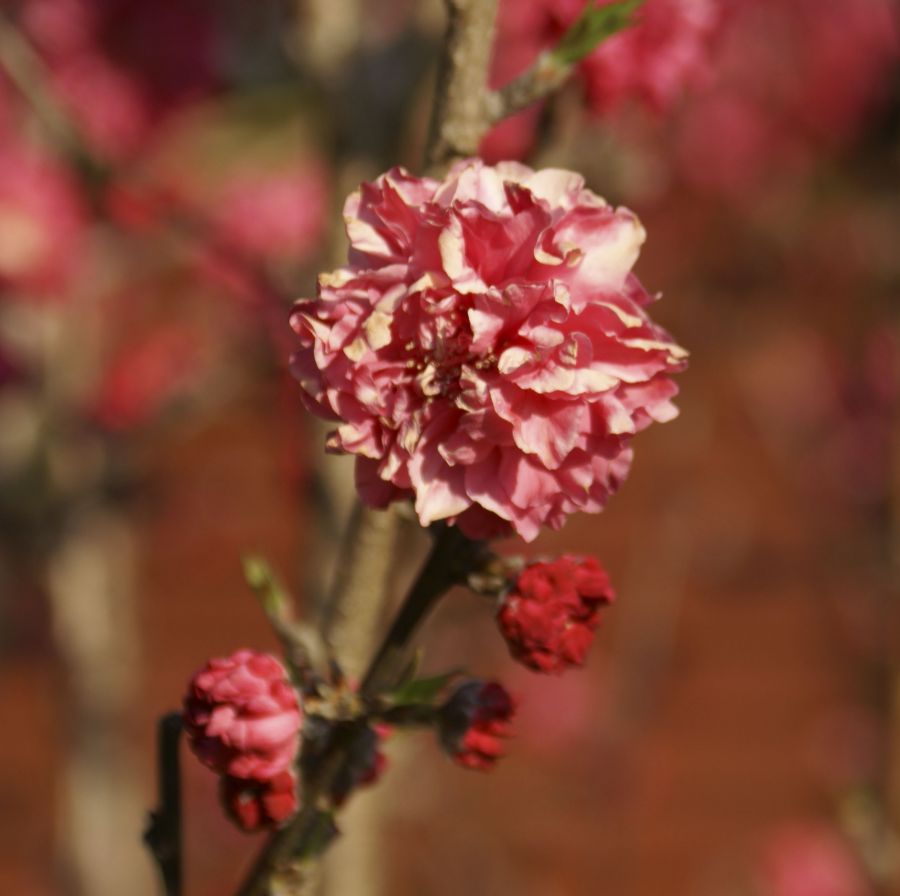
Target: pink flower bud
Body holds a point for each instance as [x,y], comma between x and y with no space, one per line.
[242,716]
[549,615]
[253,805]
[473,723]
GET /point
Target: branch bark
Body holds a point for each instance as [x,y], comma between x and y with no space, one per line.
[461,112]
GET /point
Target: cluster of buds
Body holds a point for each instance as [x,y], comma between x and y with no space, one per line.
[243,718]
[243,715]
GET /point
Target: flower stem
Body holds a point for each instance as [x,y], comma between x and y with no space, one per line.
[451,559]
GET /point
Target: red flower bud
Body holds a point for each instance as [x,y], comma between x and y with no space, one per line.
[253,805]
[473,722]
[549,614]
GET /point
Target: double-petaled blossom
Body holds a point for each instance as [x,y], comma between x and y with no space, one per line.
[549,614]
[242,716]
[253,804]
[487,350]
[474,722]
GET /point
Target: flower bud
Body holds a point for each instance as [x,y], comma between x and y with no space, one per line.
[549,614]
[253,805]
[242,716]
[473,722]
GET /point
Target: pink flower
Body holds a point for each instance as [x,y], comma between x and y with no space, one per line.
[42,221]
[473,723]
[253,805]
[242,716]
[791,81]
[487,351]
[549,615]
[123,66]
[654,61]
[278,215]
[146,377]
[810,860]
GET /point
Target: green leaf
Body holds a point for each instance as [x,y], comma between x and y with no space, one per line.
[592,27]
[259,576]
[422,690]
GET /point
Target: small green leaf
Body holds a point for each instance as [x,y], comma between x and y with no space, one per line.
[259,576]
[592,27]
[422,690]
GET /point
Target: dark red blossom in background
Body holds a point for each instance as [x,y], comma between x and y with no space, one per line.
[121,67]
[474,722]
[549,615]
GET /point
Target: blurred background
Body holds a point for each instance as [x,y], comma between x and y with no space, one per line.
[171,175]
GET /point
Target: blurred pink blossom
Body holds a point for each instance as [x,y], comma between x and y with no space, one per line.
[810,860]
[653,62]
[122,66]
[42,220]
[792,78]
[145,376]
[275,214]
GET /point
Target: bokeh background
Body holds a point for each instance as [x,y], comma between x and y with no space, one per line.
[171,174]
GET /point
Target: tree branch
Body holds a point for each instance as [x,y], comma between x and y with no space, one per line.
[163,834]
[554,67]
[461,115]
[451,559]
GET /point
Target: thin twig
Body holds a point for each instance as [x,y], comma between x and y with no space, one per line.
[163,834]
[451,559]
[554,67]
[545,77]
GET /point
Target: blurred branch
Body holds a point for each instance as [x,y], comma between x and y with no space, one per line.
[27,71]
[362,575]
[163,834]
[892,666]
[91,590]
